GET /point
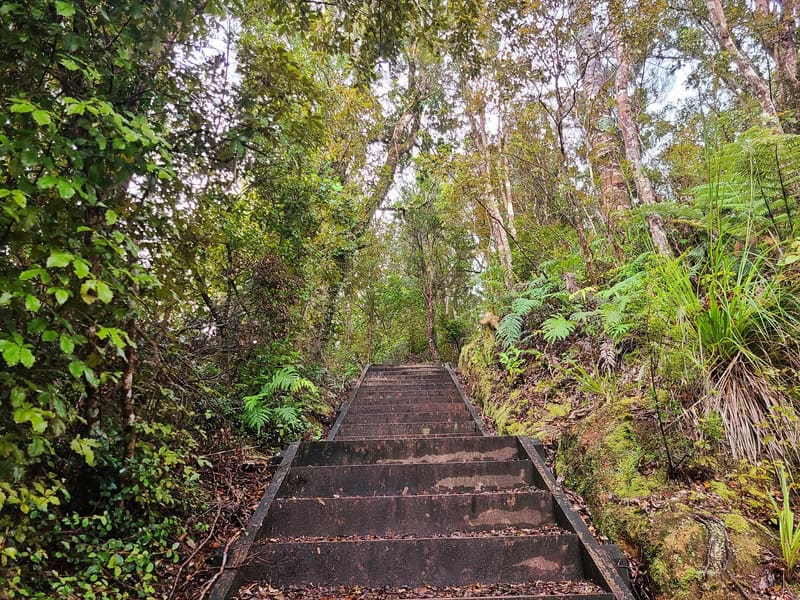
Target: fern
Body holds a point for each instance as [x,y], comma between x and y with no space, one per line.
[509,332]
[256,414]
[287,418]
[557,328]
[287,379]
[756,183]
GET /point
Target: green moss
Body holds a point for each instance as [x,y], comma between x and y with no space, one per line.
[692,575]
[736,523]
[557,410]
[722,490]
[601,457]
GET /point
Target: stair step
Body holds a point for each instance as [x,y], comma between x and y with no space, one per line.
[435,561]
[407,387]
[441,407]
[408,377]
[403,479]
[402,515]
[408,437]
[410,417]
[535,590]
[415,398]
[379,429]
[414,450]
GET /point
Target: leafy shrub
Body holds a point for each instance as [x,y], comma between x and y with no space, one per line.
[112,540]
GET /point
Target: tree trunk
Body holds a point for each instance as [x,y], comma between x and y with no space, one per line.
[776,24]
[497,228]
[128,411]
[602,142]
[633,149]
[504,171]
[430,314]
[756,83]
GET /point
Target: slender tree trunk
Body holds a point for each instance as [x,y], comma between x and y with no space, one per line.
[776,24]
[756,83]
[497,227]
[430,314]
[504,171]
[602,142]
[633,150]
[128,410]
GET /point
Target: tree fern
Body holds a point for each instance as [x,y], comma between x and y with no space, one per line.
[756,184]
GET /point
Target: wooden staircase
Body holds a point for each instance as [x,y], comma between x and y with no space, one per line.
[409,498]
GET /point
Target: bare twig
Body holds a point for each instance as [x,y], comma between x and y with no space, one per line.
[193,554]
[216,576]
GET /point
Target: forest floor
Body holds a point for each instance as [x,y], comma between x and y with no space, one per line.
[234,482]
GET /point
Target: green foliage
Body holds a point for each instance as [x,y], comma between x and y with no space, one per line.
[511,329]
[788,531]
[279,404]
[557,328]
[513,362]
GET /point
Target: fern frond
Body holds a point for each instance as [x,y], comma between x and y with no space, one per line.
[510,330]
[557,328]
[256,414]
[522,306]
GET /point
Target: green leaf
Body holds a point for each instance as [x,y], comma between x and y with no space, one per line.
[65,9]
[59,259]
[42,117]
[18,395]
[11,352]
[62,295]
[20,105]
[45,182]
[31,273]
[66,344]
[76,368]
[85,448]
[37,325]
[32,303]
[26,357]
[49,336]
[34,416]
[88,289]
[81,267]
[104,292]
[72,66]
[111,217]
[65,189]
[36,446]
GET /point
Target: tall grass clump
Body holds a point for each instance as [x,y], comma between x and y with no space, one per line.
[732,304]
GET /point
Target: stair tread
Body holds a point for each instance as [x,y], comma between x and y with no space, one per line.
[563,590]
[437,561]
